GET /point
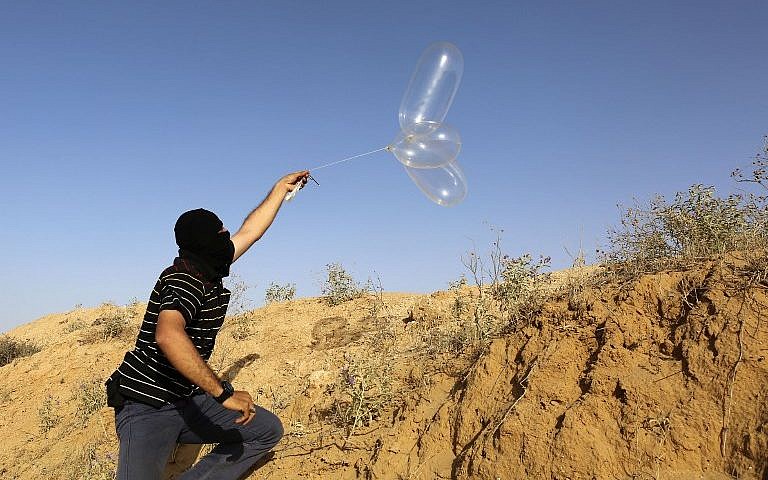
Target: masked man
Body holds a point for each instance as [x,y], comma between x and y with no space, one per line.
[164,392]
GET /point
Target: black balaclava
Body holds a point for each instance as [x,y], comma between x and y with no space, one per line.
[200,240]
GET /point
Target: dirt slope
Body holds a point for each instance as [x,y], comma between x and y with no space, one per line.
[664,377]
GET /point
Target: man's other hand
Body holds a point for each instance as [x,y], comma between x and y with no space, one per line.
[241,401]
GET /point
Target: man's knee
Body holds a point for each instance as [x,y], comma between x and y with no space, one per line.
[275,429]
[270,428]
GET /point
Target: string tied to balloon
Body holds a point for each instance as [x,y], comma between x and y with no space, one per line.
[299,186]
[343,160]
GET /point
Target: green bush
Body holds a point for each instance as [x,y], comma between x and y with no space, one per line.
[280,293]
[11,349]
[520,290]
[697,224]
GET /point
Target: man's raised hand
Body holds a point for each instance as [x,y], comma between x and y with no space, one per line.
[288,182]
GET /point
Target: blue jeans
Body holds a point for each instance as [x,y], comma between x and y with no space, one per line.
[148,435]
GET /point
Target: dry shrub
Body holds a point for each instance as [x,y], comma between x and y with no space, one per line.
[363,391]
[450,337]
[696,225]
[510,290]
[114,326]
[11,349]
[238,298]
[91,464]
[380,318]
[239,327]
[578,286]
[91,398]
[339,286]
[448,327]
[507,293]
[280,293]
[241,330]
[74,326]
[521,290]
[5,396]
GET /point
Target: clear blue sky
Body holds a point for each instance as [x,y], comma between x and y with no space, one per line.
[115,117]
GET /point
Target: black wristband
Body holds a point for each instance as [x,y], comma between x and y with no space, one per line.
[228,392]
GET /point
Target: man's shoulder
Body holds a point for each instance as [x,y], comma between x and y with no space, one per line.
[184,271]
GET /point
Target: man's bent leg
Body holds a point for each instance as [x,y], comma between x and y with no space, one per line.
[240,446]
[147,436]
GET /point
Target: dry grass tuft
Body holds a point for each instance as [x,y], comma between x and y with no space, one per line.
[91,398]
[48,414]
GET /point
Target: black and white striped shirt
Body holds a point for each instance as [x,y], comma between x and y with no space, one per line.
[145,374]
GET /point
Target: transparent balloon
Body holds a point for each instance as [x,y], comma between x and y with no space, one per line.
[429,150]
[444,185]
[432,87]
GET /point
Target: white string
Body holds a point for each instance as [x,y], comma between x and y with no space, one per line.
[348,159]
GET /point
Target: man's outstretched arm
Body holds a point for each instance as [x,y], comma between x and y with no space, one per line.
[259,220]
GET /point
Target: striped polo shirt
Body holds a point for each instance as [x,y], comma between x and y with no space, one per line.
[146,375]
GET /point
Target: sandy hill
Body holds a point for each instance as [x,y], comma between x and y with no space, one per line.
[661,377]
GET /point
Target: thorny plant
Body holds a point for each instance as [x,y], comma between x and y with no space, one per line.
[237,323]
[378,315]
[485,273]
[510,289]
[364,389]
[339,286]
[238,297]
[506,294]
[460,305]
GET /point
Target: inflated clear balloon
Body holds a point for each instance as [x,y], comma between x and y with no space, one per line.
[433,149]
[444,185]
[432,87]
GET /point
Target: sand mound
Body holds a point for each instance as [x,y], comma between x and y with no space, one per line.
[660,378]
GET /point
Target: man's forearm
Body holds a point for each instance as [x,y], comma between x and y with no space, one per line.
[258,221]
[182,354]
